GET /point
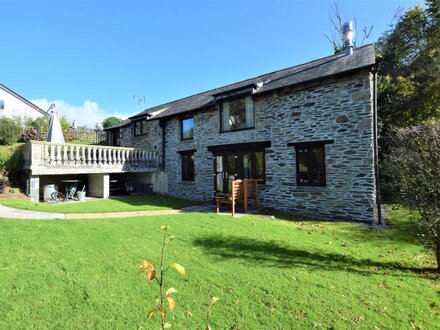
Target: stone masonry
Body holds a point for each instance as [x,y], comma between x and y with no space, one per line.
[335,109]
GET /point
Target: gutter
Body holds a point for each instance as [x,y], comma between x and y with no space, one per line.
[376,146]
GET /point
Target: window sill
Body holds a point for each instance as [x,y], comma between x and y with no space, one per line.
[188,182]
[238,130]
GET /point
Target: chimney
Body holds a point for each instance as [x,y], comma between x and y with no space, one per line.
[347,30]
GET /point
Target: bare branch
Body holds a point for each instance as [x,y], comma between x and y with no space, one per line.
[336,37]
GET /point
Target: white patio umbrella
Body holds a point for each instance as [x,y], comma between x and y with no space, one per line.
[55,132]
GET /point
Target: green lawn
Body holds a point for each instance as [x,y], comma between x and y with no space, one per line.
[269,274]
[123,204]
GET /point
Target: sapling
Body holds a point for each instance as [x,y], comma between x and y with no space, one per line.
[211,301]
[151,274]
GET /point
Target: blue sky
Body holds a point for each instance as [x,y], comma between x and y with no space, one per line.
[91,57]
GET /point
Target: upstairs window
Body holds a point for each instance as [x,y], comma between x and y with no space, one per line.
[2,105]
[187,166]
[140,127]
[310,165]
[187,128]
[237,114]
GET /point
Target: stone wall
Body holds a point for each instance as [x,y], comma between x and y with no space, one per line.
[339,110]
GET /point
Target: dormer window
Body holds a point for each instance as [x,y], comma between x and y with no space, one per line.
[237,114]
[140,127]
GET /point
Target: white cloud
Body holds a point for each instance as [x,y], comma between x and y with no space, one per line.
[89,113]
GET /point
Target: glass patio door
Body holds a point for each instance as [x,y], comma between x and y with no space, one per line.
[225,170]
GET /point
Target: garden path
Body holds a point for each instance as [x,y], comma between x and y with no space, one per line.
[11,213]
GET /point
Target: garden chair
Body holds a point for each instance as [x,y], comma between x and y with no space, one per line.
[231,198]
[250,192]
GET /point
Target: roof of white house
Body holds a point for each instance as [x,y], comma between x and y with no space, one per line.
[21,98]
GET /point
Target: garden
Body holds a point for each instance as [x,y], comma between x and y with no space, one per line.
[269,274]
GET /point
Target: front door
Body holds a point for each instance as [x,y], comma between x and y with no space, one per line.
[225,170]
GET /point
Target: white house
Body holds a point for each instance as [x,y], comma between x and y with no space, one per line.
[13,105]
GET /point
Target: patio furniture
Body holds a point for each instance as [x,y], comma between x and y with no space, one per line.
[231,198]
[71,188]
[250,192]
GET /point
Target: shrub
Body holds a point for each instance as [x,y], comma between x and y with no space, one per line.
[414,161]
[11,160]
[30,134]
[10,130]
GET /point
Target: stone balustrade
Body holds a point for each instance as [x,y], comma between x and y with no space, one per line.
[59,158]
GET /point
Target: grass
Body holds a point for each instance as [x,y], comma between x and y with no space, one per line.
[269,274]
[123,204]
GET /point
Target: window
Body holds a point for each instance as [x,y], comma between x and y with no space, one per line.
[237,114]
[140,127]
[187,166]
[310,165]
[2,105]
[187,129]
[254,165]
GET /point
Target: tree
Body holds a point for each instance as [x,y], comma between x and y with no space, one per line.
[409,71]
[408,78]
[41,124]
[414,159]
[110,121]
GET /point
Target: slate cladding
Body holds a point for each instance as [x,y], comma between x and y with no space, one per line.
[331,99]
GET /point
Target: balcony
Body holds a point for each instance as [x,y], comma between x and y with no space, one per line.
[46,158]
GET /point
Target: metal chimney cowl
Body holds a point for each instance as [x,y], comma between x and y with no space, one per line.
[348,33]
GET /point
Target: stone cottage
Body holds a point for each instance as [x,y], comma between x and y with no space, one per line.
[306,133]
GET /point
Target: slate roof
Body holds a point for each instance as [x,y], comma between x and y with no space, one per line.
[21,98]
[362,57]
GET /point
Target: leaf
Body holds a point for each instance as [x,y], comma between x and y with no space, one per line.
[208,327]
[179,268]
[167,326]
[212,301]
[153,311]
[170,291]
[171,238]
[146,266]
[164,228]
[171,303]
[151,275]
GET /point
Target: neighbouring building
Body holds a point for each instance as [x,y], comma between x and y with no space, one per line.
[13,105]
[307,133]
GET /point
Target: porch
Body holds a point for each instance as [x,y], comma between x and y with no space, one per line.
[46,160]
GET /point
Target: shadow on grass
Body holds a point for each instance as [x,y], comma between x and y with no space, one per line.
[272,253]
[159,201]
